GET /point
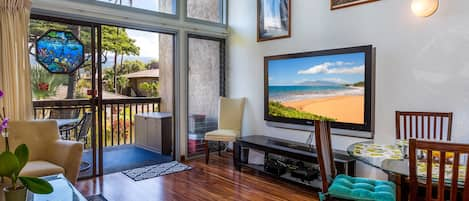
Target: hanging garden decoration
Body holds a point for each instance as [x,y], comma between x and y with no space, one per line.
[60,52]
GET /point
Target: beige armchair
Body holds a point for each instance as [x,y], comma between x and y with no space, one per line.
[48,154]
[230,119]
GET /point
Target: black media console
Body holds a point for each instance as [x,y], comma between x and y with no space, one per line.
[298,158]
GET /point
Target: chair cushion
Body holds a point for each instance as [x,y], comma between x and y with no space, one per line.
[224,135]
[356,188]
[41,168]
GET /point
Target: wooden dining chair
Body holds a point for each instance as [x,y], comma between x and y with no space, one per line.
[443,148]
[424,125]
[343,187]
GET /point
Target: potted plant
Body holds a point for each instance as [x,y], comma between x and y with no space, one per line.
[11,166]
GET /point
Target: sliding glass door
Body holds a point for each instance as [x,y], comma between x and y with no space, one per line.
[206,83]
[120,74]
[63,57]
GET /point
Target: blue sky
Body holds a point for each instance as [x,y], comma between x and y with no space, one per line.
[342,69]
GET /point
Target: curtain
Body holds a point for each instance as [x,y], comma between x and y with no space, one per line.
[15,79]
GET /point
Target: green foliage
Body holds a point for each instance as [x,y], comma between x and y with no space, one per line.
[130,66]
[116,40]
[82,85]
[39,27]
[150,88]
[45,84]
[154,64]
[108,78]
[37,185]
[12,164]
[9,164]
[278,110]
[122,83]
[22,154]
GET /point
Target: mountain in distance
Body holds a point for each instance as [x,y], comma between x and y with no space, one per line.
[110,60]
[319,83]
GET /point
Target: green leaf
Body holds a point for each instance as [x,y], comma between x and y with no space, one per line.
[9,164]
[37,185]
[22,153]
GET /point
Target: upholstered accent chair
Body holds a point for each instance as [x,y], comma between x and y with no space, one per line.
[230,118]
[48,154]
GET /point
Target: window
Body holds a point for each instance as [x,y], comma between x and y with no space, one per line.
[207,10]
[206,85]
[163,6]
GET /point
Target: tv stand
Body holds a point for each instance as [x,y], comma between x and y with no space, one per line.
[288,149]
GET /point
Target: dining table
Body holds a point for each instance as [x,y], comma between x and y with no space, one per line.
[393,160]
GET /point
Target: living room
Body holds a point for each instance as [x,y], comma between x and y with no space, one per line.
[233,100]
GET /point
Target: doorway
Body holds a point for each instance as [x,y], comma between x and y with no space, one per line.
[125,72]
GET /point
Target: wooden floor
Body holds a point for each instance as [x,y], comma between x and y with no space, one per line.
[216,181]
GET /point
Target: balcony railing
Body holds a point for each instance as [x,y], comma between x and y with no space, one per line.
[117,116]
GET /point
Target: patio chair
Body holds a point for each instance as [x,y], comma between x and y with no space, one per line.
[64,113]
[424,125]
[82,134]
[343,187]
[230,118]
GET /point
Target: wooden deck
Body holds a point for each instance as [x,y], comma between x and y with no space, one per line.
[216,181]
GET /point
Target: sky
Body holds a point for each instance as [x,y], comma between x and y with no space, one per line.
[341,69]
[147,41]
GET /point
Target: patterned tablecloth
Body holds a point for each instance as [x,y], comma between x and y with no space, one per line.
[395,152]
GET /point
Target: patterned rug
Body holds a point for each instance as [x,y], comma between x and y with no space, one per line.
[96,198]
[153,171]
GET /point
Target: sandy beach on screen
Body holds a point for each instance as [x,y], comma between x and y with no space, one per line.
[342,108]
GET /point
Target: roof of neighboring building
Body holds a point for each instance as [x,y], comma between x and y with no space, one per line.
[153,73]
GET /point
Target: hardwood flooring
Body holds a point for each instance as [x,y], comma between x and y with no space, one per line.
[216,181]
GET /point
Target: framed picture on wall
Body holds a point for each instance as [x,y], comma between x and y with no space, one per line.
[337,4]
[273,19]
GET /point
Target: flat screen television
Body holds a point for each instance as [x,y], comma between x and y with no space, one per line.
[332,85]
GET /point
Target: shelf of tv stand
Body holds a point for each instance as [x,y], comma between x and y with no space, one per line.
[295,150]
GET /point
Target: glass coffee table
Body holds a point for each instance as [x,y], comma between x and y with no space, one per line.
[63,190]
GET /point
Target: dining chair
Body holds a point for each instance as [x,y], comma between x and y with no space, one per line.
[424,125]
[442,149]
[230,118]
[343,187]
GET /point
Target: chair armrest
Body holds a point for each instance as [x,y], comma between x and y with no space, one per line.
[67,154]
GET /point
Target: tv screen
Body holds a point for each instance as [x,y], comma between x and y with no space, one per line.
[332,85]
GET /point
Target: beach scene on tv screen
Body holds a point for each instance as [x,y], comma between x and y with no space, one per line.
[328,87]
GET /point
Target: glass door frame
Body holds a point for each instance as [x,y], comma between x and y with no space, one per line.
[222,75]
[95,100]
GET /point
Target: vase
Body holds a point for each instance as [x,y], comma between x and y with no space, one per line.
[15,195]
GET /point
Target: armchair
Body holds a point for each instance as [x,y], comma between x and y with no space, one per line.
[48,153]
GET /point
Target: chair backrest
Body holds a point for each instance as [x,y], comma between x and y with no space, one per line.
[322,132]
[68,113]
[424,125]
[37,135]
[441,148]
[85,124]
[230,114]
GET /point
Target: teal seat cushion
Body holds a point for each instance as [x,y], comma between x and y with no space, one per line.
[363,189]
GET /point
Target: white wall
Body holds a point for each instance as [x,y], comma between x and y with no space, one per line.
[422,64]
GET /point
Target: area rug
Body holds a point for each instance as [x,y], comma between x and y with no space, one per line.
[96,198]
[153,171]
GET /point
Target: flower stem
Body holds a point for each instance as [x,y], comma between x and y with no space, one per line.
[7,144]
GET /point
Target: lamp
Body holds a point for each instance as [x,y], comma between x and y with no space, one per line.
[424,8]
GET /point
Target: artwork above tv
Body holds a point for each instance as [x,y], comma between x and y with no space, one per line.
[333,85]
